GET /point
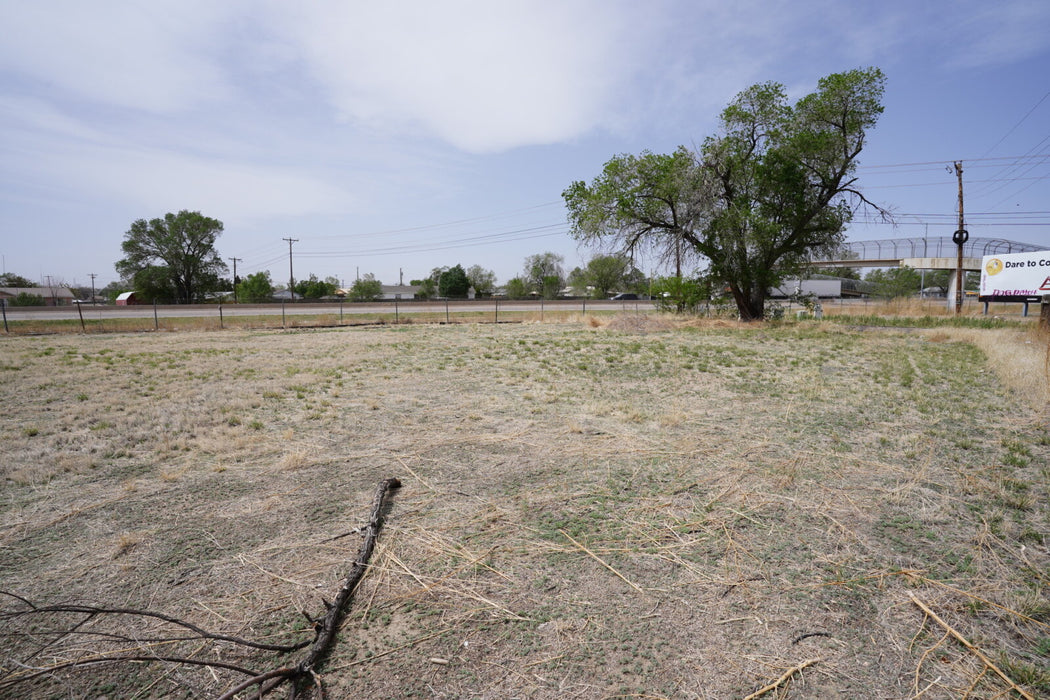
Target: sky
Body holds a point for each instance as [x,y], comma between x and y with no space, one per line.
[392,138]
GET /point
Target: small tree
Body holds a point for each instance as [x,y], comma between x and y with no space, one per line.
[895,282]
[453,283]
[680,294]
[366,288]
[544,274]
[313,288]
[611,273]
[112,290]
[427,288]
[517,288]
[27,299]
[483,281]
[256,288]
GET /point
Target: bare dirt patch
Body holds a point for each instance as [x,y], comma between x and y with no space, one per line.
[622,509]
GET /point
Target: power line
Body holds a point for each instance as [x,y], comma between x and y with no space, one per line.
[942,163]
[1014,127]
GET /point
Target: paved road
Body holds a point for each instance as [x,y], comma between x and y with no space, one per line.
[92,313]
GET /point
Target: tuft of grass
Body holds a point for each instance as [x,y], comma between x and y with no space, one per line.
[126,542]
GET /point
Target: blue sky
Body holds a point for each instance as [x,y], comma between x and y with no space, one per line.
[403,136]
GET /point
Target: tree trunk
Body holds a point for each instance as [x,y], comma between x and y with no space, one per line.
[751,304]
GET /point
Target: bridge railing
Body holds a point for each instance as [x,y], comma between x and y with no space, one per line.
[898,248]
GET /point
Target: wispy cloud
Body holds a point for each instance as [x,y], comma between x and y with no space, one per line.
[152,56]
[483,76]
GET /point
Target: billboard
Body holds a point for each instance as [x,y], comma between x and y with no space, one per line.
[1015,276]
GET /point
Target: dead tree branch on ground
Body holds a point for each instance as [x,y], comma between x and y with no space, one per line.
[139,647]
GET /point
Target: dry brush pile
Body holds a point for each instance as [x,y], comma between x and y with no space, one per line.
[588,510]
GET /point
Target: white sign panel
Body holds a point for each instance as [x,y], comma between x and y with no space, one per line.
[1015,276]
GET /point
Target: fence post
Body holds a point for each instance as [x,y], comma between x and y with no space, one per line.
[81,312]
[541,309]
[496,319]
[283,322]
[446,313]
[584,312]
[156,323]
[220,317]
[341,302]
[397,317]
[3,309]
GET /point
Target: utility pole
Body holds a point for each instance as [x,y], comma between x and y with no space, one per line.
[291,277]
[235,261]
[92,275]
[959,238]
[922,273]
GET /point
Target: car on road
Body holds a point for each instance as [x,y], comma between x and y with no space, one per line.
[625,297]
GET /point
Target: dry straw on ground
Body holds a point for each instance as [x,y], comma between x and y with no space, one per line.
[624,508]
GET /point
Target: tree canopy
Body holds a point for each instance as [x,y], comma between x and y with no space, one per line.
[313,288]
[10,279]
[453,283]
[606,274]
[366,288]
[544,274]
[256,288]
[778,184]
[482,280]
[180,248]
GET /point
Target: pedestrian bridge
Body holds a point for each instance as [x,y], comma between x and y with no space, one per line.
[920,253]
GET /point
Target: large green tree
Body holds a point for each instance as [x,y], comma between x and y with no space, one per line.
[777,185]
[153,284]
[183,244]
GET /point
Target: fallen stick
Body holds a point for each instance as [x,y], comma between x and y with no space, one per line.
[777,683]
[602,562]
[329,625]
[987,662]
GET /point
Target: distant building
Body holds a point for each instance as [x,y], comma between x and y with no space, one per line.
[128,299]
[393,292]
[52,296]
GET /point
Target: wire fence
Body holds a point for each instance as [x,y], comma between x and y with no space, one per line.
[213,317]
[85,318]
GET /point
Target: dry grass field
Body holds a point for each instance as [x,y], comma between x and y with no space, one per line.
[602,508]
